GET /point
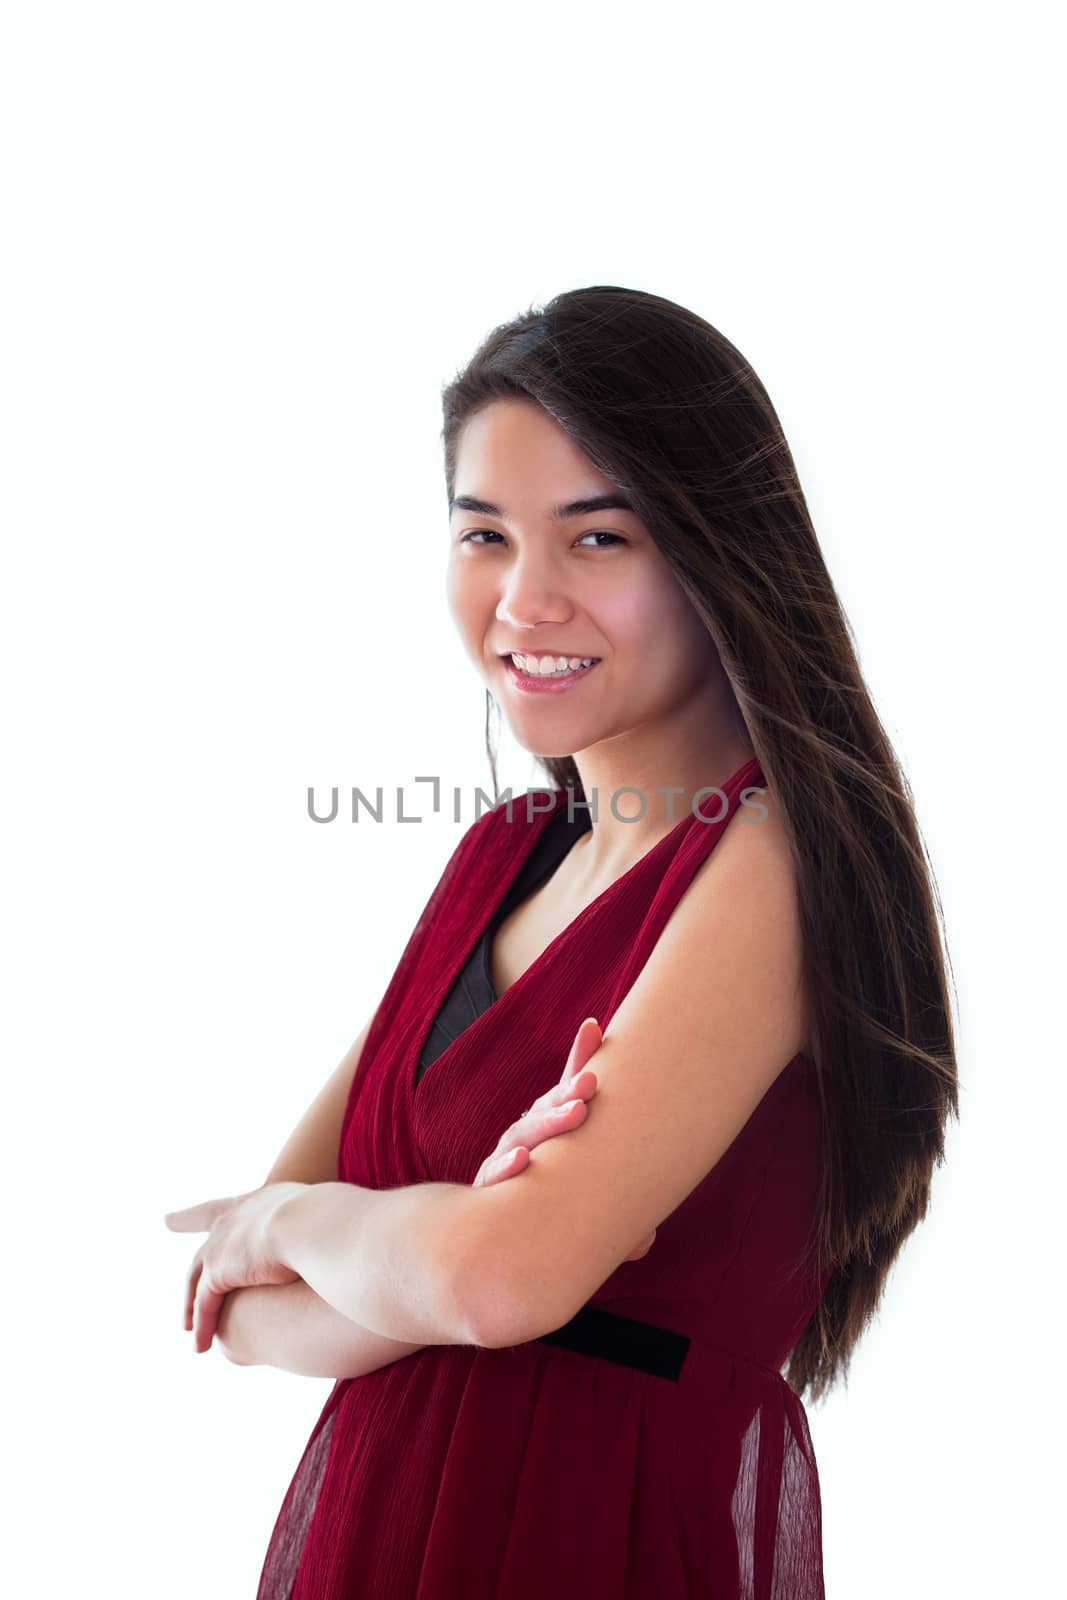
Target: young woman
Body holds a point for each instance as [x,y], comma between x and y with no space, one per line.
[710,953]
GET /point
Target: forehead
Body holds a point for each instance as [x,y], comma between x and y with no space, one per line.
[512,458]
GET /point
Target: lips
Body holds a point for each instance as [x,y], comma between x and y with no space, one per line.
[547,683]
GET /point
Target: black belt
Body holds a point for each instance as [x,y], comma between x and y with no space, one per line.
[595,1332]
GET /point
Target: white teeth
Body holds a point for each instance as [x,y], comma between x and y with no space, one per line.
[551,666]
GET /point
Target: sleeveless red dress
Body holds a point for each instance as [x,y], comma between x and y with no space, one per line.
[651,1449]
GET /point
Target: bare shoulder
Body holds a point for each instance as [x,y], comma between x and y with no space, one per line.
[746,893]
[751,869]
[749,884]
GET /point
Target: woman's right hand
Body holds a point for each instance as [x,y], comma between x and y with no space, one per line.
[559,1110]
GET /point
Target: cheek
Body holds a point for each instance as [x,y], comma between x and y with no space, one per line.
[469,602]
[452,593]
[661,636]
[640,620]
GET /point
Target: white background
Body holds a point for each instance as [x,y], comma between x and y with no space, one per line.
[245,246]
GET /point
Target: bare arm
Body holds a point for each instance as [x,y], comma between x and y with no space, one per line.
[288,1325]
[291,1327]
[309,1155]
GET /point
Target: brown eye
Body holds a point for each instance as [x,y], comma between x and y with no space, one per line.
[602,533]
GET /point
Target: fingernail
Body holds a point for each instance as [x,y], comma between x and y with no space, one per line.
[568,1106]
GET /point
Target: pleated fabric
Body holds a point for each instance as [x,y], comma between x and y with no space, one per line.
[536,1471]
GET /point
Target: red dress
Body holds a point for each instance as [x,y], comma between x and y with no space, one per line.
[651,1450]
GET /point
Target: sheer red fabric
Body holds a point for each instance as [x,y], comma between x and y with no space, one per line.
[463,1473]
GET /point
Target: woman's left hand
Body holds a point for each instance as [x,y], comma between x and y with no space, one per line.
[239,1251]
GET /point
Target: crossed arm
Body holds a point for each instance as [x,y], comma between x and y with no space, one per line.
[530,1252]
[292,1327]
[405,1238]
[409,1291]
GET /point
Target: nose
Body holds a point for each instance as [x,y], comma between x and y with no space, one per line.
[531,594]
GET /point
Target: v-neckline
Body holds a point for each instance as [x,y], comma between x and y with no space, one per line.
[461,950]
[547,870]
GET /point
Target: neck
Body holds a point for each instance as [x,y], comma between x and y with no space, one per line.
[640,788]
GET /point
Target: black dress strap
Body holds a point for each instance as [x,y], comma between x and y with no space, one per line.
[624,1340]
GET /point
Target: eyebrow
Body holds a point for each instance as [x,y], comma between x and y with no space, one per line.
[573,508]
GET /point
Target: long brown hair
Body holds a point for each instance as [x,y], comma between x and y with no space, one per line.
[670,411]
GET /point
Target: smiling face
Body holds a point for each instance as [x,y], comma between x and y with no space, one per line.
[531,570]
